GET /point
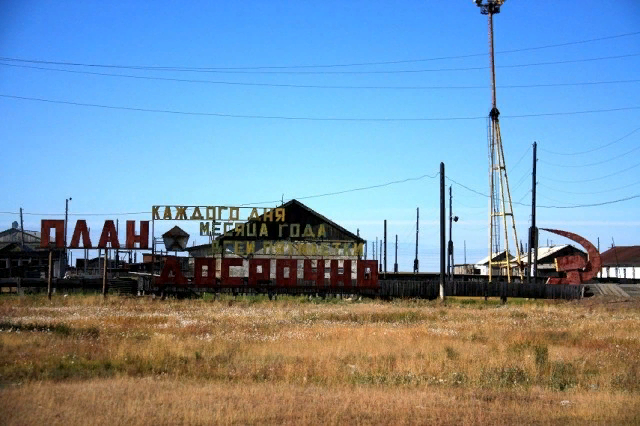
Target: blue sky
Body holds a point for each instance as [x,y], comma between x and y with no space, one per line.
[113,161]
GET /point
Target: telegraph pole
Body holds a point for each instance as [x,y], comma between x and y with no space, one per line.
[442,230]
[395,265]
[465,253]
[21,228]
[385,247]
[599,272]
[415,261]
[533,231]
[117,250]
[450,244]
[63,267]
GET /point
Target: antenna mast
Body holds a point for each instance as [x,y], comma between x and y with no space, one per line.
[500,205]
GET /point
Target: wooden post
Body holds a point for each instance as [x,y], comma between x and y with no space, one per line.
[442,232]
[104,274]
[50,274]
[385,247]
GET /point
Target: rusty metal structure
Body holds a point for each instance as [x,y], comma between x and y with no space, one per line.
[500,205]
[577,269]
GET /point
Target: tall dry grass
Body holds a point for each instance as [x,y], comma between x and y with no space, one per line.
[337,361]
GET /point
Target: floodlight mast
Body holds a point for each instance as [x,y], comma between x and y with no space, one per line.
[500,205]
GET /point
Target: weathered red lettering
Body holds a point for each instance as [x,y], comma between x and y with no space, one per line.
[81,230]
[142,239]
[45,230]
[263,275]
[292,280]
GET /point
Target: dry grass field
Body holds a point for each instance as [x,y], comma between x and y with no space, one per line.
[83,360]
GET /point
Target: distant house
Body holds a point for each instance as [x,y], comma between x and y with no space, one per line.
[498,266]
[547,258]
[21,255]
[279,244]
[466,269]
[621,262]
[546,261]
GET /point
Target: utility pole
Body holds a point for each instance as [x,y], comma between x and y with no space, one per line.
[599,272]
[50,274]
[117,251]
[104,275]
[442,231]
[615,252]
[533,231]
[450,244]
[395,265]
[21,228]
[375,255]
[415,261]
[63,266]
[385,247]
[465,252]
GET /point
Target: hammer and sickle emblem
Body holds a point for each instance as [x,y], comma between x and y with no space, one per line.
[577,270]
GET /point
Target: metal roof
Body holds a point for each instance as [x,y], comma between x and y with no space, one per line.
[497,257]
[621,256]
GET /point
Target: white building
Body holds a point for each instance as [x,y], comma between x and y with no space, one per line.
[622,262]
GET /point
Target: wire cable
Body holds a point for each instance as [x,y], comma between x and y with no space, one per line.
[552,207]
[319,86]
[590,164]
[173,68]
[594,179]
[521,181]
[416,71]
[518,162]
[279,117]
[525,194]
[593,149]
[589,192]
[395,182]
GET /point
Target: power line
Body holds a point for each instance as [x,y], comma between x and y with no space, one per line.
[518,162]
[603,203]
[525,194]
[395,182]
[553,207]
[278,117]
[319,86]
[521,180]
[593,149]
[566,61]
[589,192]
[174,68]
[371,187]
[594,179]
[592,164]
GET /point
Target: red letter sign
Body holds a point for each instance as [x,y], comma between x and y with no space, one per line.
[142,239]
[45,230]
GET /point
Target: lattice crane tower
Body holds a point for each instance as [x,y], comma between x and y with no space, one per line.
[500,206]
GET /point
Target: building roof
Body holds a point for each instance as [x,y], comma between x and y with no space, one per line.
[621,256]
[14,247]
[497,257]
[13,234]
[301,212]
[550,253]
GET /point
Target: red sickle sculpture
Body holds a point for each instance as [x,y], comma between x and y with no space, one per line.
[573,265]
